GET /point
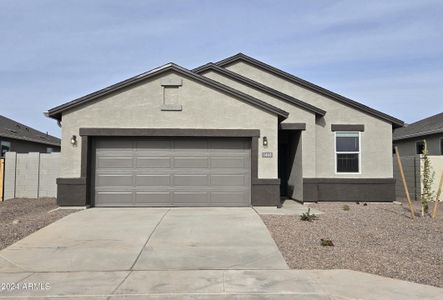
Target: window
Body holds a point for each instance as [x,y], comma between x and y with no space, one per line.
[4,147]
[420,147]
[441,146]
[347,151]
[49,149]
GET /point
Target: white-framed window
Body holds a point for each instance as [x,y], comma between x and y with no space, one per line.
[4,147]
[347,152]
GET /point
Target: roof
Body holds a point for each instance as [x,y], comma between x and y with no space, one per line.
[57,111]
[15,130]
[428,126]
[308,85]
[260,87]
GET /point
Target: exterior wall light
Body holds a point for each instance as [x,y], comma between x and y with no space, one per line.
[265,141]
[73,140]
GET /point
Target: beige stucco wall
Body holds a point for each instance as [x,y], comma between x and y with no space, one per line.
[296,115]
[139,107]
[376,150]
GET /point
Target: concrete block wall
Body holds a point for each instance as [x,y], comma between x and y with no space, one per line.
[49,171]
[411,168]
[31,175]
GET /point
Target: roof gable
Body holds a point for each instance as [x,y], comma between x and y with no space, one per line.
[258,86]
[15,130]
[308,85]
[57,111]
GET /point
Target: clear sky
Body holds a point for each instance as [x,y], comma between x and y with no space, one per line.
[385,54]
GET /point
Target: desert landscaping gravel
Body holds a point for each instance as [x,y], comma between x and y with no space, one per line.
[377,238]
[21,217]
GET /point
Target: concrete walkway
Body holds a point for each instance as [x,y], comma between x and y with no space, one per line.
[289,208]
[186,253]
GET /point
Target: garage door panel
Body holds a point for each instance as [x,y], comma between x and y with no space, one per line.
[183,198]
[152,198]
[153,180]
[191,162]
[153,162]
[228,180]
[191,180]
[114,162]
[104,180]
[114,144]
[113,199]
[172,172]
[190,144]
[229,162]
[153,145]
[231,198]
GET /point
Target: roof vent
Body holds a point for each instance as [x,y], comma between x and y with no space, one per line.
[12,130]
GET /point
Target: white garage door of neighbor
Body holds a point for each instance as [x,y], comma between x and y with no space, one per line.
[172,172]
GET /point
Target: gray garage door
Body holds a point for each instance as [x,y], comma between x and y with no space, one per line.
[172,172]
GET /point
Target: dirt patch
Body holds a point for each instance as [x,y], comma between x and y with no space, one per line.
[21,217]
[377,238]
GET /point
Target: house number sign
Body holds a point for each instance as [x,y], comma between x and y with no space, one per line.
[266,154]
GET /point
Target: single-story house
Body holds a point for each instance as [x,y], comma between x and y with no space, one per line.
[20,138]
[237,132]
[410,139]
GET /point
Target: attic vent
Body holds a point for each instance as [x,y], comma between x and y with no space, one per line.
[171,99]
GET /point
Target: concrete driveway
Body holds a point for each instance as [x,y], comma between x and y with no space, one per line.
[185,253]
[126,239]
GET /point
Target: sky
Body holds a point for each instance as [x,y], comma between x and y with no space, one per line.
[385,54]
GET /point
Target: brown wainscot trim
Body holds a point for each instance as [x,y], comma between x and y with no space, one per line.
[71,191]
[265,192]
[293,126]
[349,189]
[348,127]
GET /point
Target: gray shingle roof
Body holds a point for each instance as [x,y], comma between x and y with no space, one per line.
[431,125]
[15,130]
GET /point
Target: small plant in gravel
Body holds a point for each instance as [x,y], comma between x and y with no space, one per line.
[326,243]
[428,179]
[307,216]
[346,207]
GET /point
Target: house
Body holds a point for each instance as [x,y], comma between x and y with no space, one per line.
[20,138]
[237,132]
[410,142]
[410,139]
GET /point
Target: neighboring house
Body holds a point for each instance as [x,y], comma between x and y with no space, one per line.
[20,138]
[237,132]
[410,139]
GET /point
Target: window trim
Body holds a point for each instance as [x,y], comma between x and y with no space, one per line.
[349,152]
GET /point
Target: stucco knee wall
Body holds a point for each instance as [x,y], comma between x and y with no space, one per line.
[140,107]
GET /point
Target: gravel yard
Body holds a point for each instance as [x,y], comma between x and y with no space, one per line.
[377,238]
[21,217]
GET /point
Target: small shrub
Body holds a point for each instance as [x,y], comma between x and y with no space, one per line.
[307,216]
[326,243]
[346,207]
